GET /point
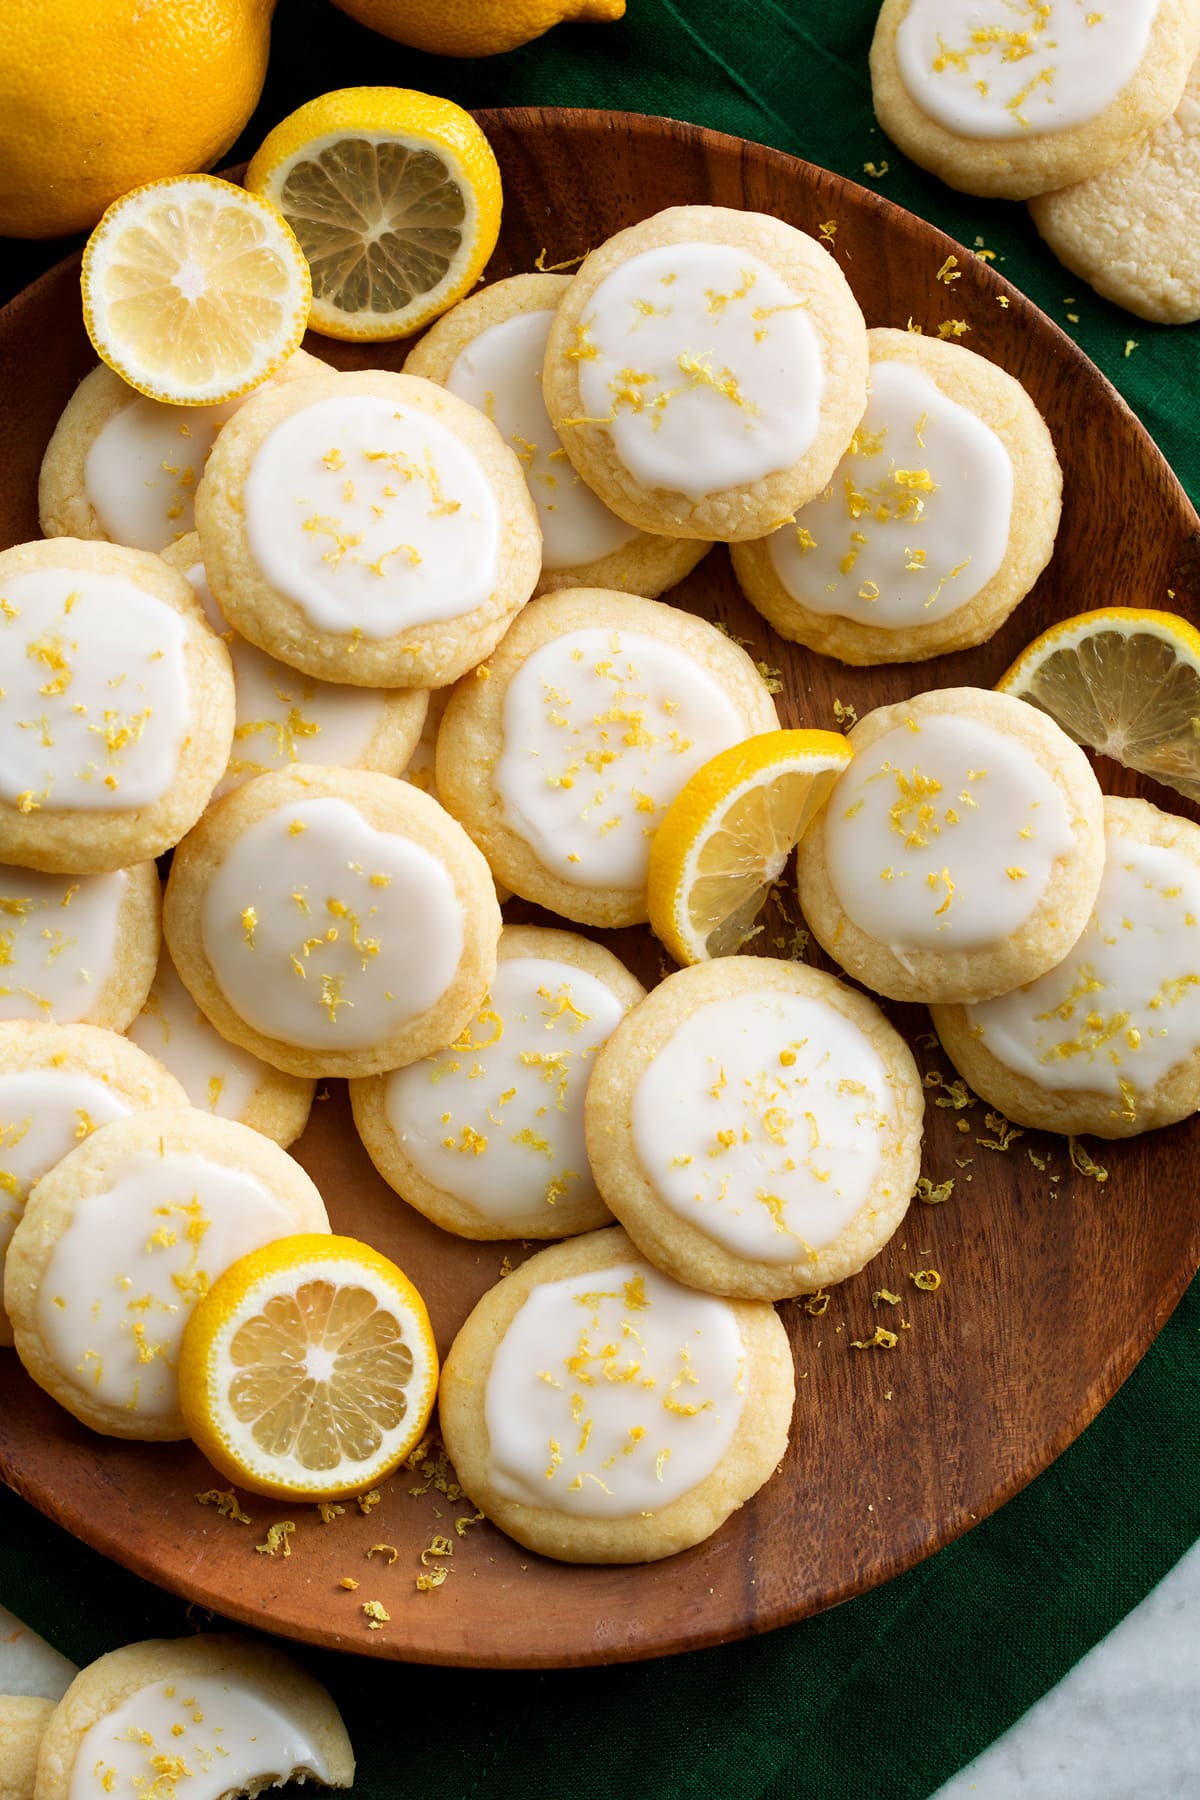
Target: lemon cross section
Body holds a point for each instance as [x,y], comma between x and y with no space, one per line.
[728,833]
[309,1370]
[1125,681]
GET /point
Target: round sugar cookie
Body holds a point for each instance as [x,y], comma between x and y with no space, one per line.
[78,950]
[122,1238]
[367,528]
[239,1717]
[283,716]
[57,1084]
[123,468]
[563,751]
[937,521]
[755,1125]
[117,714]
[489,350]
[597,1411]
[1107,1043]
[1011,101]
[332,922]
[486,1137]
[705,370]
[23,1721]
[1133,231]
[960,852]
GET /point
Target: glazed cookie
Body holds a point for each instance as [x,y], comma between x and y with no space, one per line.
[116,706]
[960,853]
[705,370]
[57,1084]
[215,1075]
[121,1239]
[562,754]
[284,717]
[78,950]
[213,1714]
[123,468]
[559,1407]
[23,1720]
[1133,231]
[486,1138]
[367,528]
[1012,98]
[489,350]
[332,922]
[938,520]
[1108,1042]
[755,1126]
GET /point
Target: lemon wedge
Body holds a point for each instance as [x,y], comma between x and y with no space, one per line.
[1126,682]
[728,833]
[309,1369]
[193,290]
[395,198]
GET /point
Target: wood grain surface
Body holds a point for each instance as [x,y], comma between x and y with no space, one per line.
[1053,1283]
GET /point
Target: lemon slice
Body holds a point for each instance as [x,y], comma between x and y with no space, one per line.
[728,833]
[1124,681]
[395,198]
[309,1369]
[193,290]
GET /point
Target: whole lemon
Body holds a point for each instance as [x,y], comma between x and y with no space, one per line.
[98,96]
[474,27]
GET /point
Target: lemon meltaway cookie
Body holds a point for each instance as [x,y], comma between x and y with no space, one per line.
[961,851]
[122,1238]
[284,716]
[937,521]
[755,1125]
[213,1073]
[1133,231]
[1016,97]
[123,467]
[23,1721]
[367,528]
[206,1715]
[562,754]
[116,706]
[332,922]
[78,949]
[486,1137]
[1108,1041]
[597,1411]
[489,350]
[705,370]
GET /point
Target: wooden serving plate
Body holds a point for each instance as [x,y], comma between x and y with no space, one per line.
[1053,1284]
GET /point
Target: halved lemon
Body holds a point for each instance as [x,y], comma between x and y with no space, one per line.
[727,835]
[1126,682]
[193,290]
[395,198]
[308,1371]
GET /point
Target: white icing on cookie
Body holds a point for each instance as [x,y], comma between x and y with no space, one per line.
[96,703]
[58,941]
[500,372]
[916,518]
[125,1274]
[704,365]
[142,467]
[373,518]
[497,1119]
[194,1738]
[601,730]
[1017,68]
[612,1394]
[943,835]
[1123,1009]
[43,1114]
[762,1122]
[329,934]
[216,1076]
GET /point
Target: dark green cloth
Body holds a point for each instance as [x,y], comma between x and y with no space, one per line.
[893,1692]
